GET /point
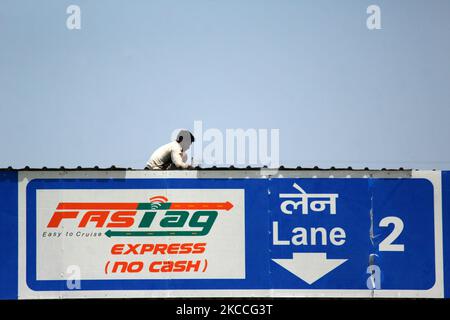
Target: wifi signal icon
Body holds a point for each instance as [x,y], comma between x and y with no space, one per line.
[156,202]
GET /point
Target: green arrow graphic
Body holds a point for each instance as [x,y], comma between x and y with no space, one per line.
[111,233]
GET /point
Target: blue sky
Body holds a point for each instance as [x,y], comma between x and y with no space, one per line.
[113,91]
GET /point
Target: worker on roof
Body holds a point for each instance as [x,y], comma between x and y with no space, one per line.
[172,155]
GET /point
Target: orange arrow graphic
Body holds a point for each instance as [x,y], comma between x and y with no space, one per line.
[202,205]
[144,206]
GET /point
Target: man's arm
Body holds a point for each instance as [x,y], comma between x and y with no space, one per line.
[177,158]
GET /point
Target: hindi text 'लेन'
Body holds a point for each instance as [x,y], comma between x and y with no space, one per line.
[316,202]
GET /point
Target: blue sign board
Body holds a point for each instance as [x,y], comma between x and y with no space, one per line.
[380,226]
[336,237]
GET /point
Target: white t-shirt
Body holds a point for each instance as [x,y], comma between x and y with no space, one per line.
[164,156]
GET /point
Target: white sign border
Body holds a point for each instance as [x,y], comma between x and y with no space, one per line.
[24,292]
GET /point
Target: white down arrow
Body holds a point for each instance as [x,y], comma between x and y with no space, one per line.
[309,266]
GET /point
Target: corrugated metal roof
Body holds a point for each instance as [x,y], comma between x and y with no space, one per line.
[281,168]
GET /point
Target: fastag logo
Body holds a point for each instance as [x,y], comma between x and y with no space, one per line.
[159,217]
